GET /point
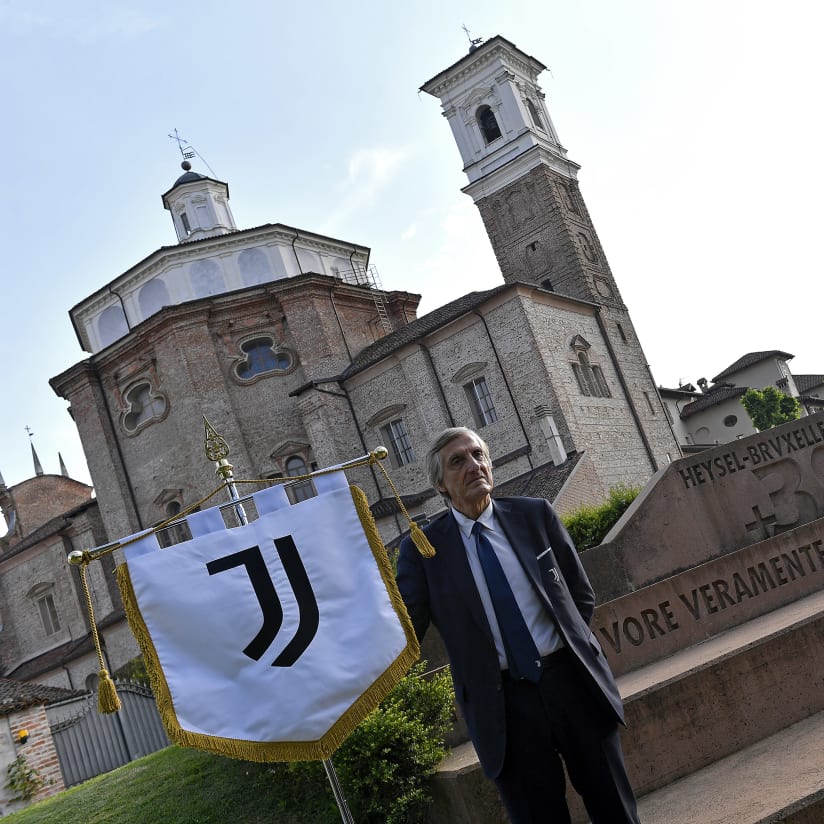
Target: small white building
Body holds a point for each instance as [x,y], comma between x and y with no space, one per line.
[714,414]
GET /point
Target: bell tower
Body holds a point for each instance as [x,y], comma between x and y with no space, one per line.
[526,189]
[520,177]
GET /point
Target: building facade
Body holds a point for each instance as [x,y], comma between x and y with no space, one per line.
[44,618]
[284,341]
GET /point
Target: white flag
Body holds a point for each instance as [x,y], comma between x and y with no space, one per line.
[270,641]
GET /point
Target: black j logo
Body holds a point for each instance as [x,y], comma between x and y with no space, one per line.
[267,596]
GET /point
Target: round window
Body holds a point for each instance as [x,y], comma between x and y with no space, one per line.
[730,421]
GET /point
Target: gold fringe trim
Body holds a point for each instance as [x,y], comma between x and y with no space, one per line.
[267,751]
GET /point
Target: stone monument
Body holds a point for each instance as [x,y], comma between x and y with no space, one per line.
[711,613]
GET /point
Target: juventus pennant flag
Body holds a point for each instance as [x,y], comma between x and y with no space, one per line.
[270,641]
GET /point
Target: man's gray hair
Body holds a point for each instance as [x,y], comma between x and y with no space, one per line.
[434,466]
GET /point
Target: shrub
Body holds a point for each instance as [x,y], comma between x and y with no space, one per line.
[134,670]
[23,780]
[386,764]
[588,525]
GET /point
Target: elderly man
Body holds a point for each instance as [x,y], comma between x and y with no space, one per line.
[512,602]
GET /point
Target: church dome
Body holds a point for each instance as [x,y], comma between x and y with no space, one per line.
[188,175]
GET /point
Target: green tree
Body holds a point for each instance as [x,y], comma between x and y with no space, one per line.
[768,407]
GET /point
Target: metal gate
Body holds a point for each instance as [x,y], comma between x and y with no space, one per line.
[89,743]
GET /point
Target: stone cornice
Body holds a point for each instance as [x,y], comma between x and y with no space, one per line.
[515,169]
[497,48]
[164,258]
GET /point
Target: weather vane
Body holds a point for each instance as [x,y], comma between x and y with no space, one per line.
[473,42]
[188,151]
[31,434]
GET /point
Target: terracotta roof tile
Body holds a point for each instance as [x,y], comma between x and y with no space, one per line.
[16,695]
[418,328]
[713,397]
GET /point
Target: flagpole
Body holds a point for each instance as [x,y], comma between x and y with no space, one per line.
[217,450]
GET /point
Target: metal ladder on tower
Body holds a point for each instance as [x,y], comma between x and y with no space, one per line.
[369,275]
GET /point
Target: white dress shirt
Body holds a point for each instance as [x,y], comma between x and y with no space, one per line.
[541,627]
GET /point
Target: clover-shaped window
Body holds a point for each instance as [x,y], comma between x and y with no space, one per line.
[145,406]
[261,357]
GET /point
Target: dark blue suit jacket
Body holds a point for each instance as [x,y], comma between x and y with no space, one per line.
[441,590]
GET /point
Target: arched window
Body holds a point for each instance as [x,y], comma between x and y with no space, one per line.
[153,297]
[535,114]
[176,533]
[254,267]
[397,435]
[111,325]
[488,124]
[43,596]
[591,380]
[144,406]
[295,466]
[480,401]
[206,278]
[260,358]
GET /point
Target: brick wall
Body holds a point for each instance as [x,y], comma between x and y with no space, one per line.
[38,751]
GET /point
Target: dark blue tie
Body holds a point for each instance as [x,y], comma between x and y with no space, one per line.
[521,652]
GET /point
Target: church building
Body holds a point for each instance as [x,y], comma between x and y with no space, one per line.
[284,340]
[45,634]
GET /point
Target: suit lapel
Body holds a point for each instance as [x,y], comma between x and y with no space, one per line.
[450,555]
[515,529]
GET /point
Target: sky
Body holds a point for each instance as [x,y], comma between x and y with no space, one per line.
[698,127]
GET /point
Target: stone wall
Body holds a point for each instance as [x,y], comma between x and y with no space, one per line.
[713,503]
[714,541]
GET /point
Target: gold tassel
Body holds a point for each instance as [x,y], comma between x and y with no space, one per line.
[420,540]
[108,700]
[415,532]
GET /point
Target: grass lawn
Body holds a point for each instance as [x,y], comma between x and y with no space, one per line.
[184,786]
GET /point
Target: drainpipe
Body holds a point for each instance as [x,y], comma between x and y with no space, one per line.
[122,306]
[295,251]
[438,382]
[508,387]
[343,394]
[340,325]
[633,411]
[129,488]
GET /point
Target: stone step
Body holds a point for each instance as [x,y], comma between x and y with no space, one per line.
[696,707]
[780,778]
[712,699]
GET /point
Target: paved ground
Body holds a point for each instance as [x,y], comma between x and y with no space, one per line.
[762,784]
